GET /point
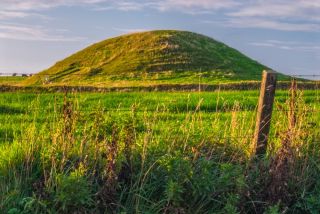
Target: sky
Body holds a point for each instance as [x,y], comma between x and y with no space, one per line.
[282,34]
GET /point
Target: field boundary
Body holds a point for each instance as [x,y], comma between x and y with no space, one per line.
[255,85]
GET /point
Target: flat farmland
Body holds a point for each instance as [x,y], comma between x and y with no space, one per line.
[150,152]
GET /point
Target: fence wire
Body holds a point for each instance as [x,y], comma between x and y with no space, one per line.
[58,109]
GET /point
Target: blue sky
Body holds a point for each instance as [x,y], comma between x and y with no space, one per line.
[282,34]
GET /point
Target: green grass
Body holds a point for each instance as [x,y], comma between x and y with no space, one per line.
[153,152]
[11,80]
[151,58]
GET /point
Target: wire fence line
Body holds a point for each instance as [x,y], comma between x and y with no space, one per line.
[50,83]
[103,74]
[174,87]
[170,107]
[170,110]
[217,138]
[10,74]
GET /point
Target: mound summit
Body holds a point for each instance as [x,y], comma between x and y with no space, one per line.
[154,57]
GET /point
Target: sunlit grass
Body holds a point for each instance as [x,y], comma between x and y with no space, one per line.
[11,80]
[153,152]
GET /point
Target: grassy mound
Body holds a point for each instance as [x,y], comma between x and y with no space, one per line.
[151,58]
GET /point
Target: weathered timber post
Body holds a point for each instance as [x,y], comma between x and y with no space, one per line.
[264,113]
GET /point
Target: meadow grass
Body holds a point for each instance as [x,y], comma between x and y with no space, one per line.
[155,152]
[11,80]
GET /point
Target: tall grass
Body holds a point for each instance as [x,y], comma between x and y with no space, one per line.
[166,157]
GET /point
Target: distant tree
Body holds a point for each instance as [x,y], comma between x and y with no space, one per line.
[14,74]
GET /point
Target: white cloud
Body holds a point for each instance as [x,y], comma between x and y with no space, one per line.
[295,10]
[289,45]
[262,44]
[129,6]
[21,9]
[284,15]
[266,10]
[130,30]
[265,23]
[7,15]
[199,4]
[13,14]
[185,6]
[25,5]
[14,9]
[33,33]
[123,6]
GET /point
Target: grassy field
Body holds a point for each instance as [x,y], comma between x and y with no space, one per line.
[155,152]
[11,80]
[133,80]
[140,79]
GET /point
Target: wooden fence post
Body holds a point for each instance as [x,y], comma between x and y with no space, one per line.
[264,113]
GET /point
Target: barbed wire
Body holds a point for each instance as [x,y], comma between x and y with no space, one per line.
[159,107]
[217,138]
[230,108]
[10,74]
[97,75]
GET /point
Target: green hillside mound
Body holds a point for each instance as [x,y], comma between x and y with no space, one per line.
[151,58]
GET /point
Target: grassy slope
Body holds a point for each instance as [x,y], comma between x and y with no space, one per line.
[149,58]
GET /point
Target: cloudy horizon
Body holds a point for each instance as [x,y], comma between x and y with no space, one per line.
[282,34]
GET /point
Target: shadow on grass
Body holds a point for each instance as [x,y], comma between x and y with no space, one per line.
[10,110]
